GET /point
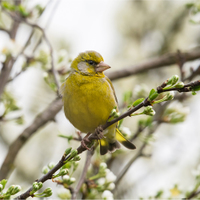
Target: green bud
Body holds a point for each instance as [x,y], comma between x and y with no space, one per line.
[1,187]
[173,80]
[149,111]
[73,153]
[77,158]
[67,151]
[45,170]
[51,165]
[179,85]
[35,186]
[3,183]
[169,96]
[194,93]
[10,190]
[48,190]
[117,114]
[40,184]
[113,111]
[16,189]
[63,172]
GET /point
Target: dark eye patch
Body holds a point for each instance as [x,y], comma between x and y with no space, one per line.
[91,62]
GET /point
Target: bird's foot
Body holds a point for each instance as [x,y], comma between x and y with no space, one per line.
[98,133]
[85,141]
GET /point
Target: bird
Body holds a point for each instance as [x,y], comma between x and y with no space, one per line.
[89,97]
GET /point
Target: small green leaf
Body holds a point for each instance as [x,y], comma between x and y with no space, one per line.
[138,101]
[189,5]
[69,138]
[153,95]
[196,88]
[8,6]
[23,11]
[3,182]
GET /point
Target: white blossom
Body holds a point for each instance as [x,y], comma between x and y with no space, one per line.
[101,181]
[72,179]
[103,165]
[126,131]
[111,186]
[110,177]
[107,195]
[66,177]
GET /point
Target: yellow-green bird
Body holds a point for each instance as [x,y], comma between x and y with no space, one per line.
[89,97]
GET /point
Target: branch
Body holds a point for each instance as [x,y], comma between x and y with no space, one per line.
[90,140]
[19,19]
[40,120]
[5,72]
[193,195]
[84,172]
[162,61]
[5,30]
[135,157]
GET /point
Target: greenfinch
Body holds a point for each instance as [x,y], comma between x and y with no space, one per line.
[89,97]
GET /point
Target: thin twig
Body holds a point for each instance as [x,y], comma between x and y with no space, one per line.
[84,172]
[135,157]
[40,120]
[19,19]
[5,30]
[193,195]
[162,61]
[90,139]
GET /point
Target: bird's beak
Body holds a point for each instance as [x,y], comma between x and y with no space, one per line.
[102,66]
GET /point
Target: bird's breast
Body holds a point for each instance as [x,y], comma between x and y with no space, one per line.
[88,101]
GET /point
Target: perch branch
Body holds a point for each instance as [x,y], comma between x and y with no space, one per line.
[90,139]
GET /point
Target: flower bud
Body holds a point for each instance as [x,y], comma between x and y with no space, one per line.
[149,111]
[66,178]
[1,187]
[111,186]
[67,151]
[72,180]
[10,190]
[16,189]
[107,195]
[45,170]
[35,186]
[77,158]
[179,85]
[40,184]
[47,192]
[169,96]
[173,80]
[103,165]
[63,172]
[73,153]
[51,165]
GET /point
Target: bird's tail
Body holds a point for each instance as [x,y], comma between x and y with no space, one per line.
[106,146]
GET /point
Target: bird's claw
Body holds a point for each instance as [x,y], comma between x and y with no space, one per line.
[85,141]
[98,133]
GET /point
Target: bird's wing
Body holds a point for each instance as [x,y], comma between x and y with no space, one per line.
[109,81]
[62,88]
[124,141]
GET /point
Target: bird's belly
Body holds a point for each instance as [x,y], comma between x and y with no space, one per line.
[89,105]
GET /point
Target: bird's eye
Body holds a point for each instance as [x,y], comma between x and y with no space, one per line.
[91,62]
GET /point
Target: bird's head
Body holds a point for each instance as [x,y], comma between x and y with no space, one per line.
[89,63]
